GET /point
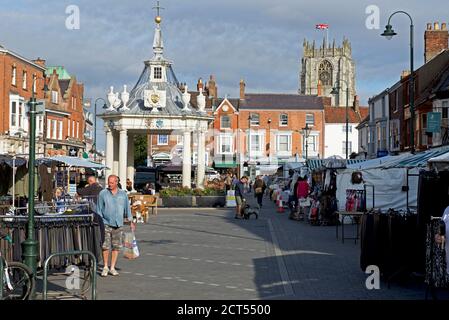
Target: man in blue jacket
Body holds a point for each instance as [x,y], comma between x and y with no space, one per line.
[113,206]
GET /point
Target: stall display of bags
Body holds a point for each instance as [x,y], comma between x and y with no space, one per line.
[130,249]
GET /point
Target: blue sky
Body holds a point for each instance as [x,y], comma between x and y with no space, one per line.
[257,40]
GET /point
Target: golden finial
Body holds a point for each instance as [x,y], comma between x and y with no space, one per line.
[158,18]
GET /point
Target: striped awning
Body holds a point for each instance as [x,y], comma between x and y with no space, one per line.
[316,164]
[419,159]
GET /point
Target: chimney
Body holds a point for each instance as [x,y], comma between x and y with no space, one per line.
[212,87]
[242,89]
[319,88]
[199,84]
[40,62]
[405,73]
[435,40]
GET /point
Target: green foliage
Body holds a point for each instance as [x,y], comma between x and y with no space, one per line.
[175,192]
[208,192]
[179,192]
[140,150]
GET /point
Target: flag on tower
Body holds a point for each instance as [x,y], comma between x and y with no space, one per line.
[322,26]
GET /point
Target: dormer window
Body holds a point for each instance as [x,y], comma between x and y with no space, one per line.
[158,73]
[54,97]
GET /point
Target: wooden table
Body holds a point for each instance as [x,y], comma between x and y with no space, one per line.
[352,215]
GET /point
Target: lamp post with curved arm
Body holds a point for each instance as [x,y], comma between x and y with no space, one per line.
[336,90]
[389,33]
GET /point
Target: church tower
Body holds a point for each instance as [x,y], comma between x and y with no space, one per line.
[325,67]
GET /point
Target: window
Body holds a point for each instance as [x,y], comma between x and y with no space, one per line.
[14,76]
[77,129]
[13,113]
[255,143]
[54,96]
[162,139]
[20,114]
[283,121]
[60,131]
[325,73]
[40,124]
[349,147]
[24,80]
[48,128]
[34,83]
[284,143]
[349,128]
[225,144]
[395,134]
[384,111]
[312,144]
[73,103]
[68,127]
[73,128]
[179,140]
[444,111]
[255,119]
[157,72]
[54,132]
[310,118]
[225,122]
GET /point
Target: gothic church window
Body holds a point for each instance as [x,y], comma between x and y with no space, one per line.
[325,73]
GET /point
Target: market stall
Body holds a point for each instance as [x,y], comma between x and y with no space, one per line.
[400,235]
[63,224]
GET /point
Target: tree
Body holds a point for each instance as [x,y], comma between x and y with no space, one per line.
[140,150]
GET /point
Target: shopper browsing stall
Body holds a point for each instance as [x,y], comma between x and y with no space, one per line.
[112,206]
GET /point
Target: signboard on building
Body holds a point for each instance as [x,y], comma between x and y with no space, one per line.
[433,122]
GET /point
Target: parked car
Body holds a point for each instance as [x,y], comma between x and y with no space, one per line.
[213,175]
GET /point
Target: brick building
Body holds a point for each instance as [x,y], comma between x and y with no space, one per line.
[20,78]
[64,114]
[426,78]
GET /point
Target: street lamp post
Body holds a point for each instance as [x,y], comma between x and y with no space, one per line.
[336,90]
[306,132]
[30,244]
[249,144]
[94,147]
[389,33]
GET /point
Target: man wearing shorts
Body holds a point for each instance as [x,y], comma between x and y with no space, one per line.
[112,207]
[239,196]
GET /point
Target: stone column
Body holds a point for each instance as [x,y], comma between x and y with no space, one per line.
[116,153]
[123,157]
[201,166]
[186,161]
[109,152]
[130,160]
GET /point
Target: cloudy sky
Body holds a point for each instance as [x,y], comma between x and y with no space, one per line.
[257,40]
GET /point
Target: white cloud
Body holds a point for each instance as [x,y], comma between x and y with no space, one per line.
[258,40]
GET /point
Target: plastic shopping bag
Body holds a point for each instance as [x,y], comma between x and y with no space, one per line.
[130,249]
[230,199]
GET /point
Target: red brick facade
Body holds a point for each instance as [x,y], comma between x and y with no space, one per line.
[17,76]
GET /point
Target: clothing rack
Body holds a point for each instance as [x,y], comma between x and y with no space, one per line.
[430,287]
[54,233]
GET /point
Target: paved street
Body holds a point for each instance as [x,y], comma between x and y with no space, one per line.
[207,254]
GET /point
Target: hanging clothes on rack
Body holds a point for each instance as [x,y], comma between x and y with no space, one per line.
[445,218]
[436,266]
